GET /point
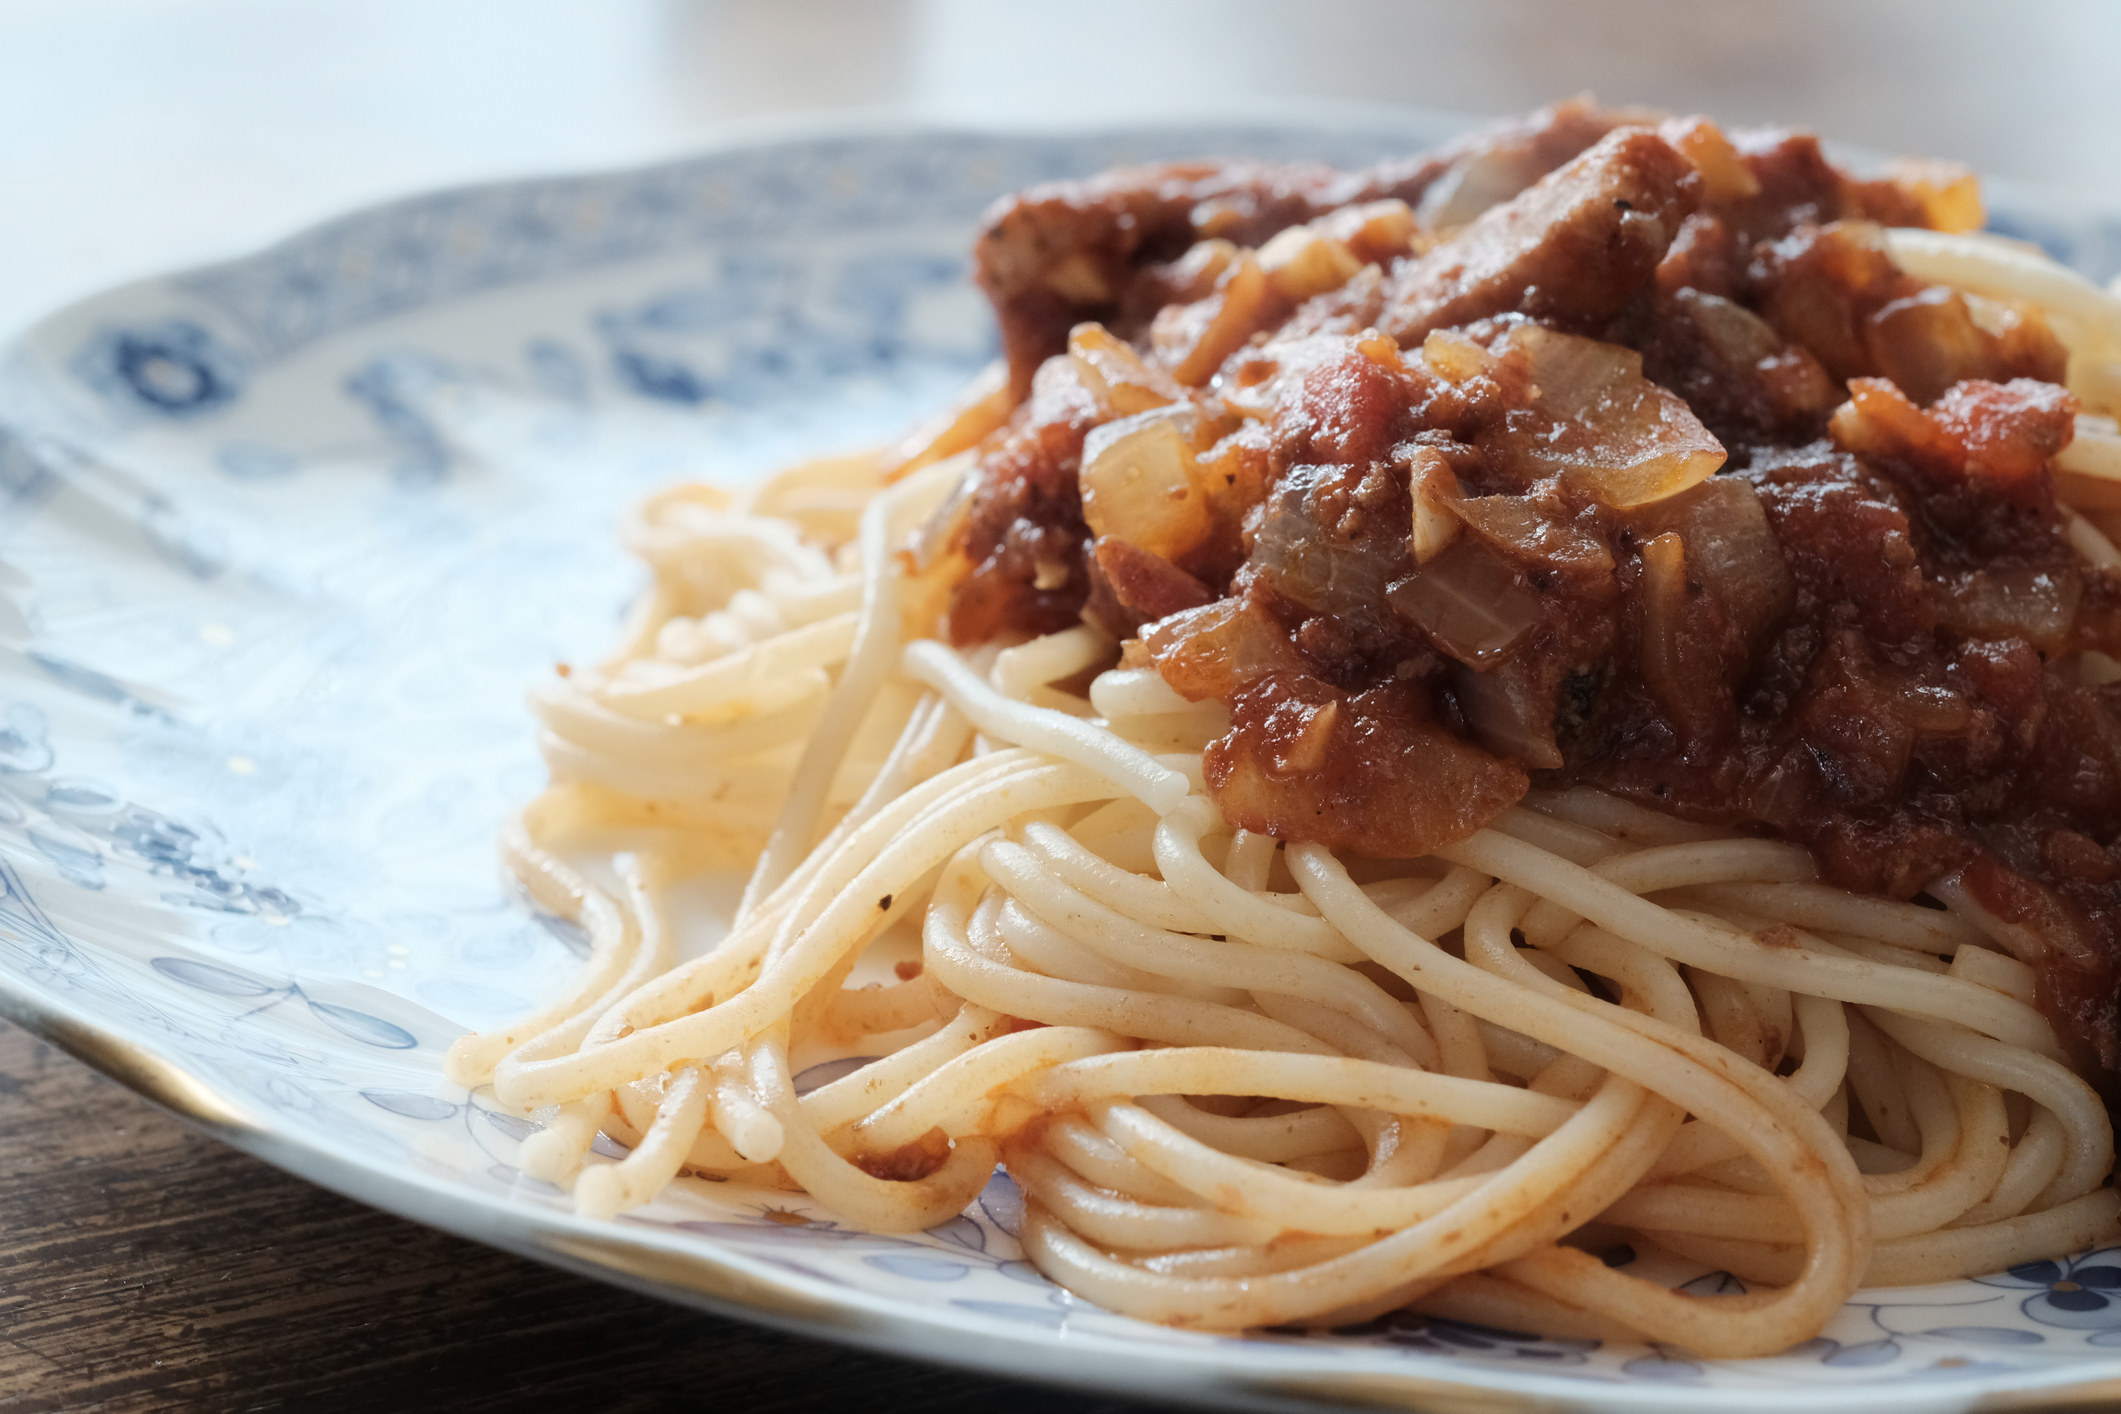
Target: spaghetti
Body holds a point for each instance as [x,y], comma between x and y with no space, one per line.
[1246,1080]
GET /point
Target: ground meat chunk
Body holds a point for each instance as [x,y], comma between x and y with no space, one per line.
[1364,772]
[1024,528]
[1573,250]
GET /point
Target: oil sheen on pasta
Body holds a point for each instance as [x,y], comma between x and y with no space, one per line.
[1599,449]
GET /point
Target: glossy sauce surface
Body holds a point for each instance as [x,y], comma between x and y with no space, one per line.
[1606,450]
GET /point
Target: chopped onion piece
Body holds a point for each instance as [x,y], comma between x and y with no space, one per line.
[1306,750]
[1481,179]
[2098,668]
[1454,358]
[2036,605]
[1302,262]
[1214,650]
[1664,601]
[1435,492]
[1514,724]
[1619,436]
[1724,175]
[1729,547]
[1470,602]
[1197,338]
[1140,482]
[1948,192]
[1115,371]
[1514,524]
[1375,231]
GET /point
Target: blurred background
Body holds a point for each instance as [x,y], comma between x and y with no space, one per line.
[140,134]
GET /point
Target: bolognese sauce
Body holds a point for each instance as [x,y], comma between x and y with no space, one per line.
[1602,448]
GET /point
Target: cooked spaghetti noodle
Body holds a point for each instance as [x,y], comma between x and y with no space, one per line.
[1246,1081]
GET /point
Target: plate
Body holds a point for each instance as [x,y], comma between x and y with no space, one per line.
[284,540]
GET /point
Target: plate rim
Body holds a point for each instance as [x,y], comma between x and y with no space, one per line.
[703,1274]
[908,119]
[760,132]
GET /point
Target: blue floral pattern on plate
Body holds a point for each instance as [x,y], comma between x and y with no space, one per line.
[283,541]
[174,368]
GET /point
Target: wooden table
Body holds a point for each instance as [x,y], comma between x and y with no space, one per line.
[145,1268]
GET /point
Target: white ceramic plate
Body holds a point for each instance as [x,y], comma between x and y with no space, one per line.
[283,541]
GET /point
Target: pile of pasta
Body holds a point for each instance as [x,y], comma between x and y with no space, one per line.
[1244,1082]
